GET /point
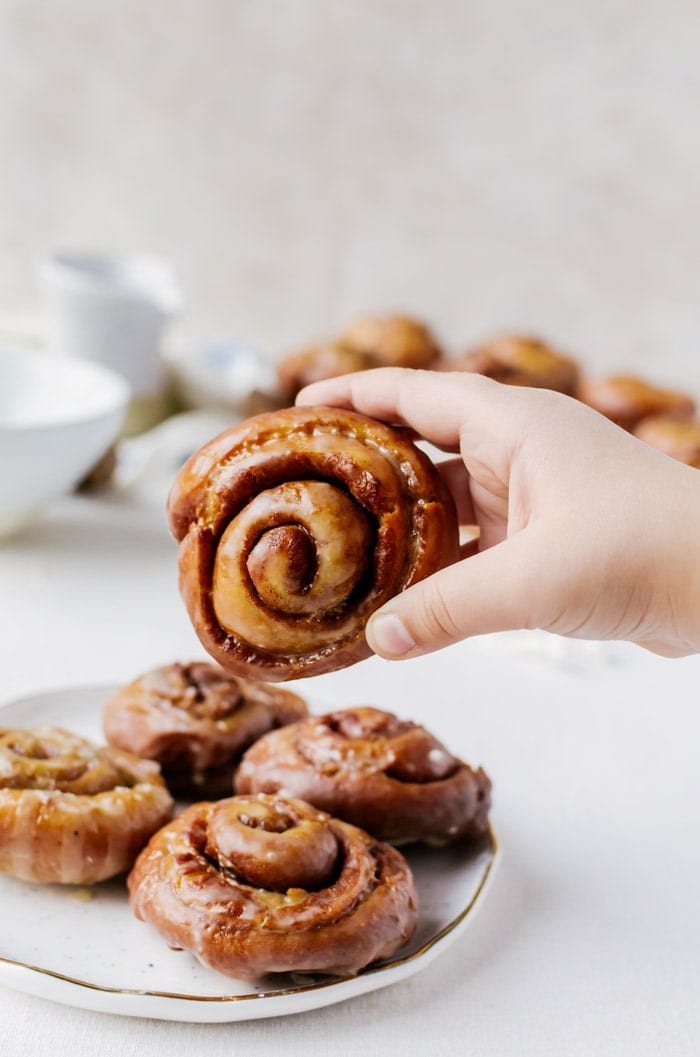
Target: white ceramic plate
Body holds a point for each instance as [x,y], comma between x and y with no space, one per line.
[83,946]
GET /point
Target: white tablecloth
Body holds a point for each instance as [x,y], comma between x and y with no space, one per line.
[588,941]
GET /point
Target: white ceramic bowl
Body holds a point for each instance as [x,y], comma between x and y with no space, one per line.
[225,375]
[58,416]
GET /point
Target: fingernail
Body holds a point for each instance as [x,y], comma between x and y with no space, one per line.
[388,636]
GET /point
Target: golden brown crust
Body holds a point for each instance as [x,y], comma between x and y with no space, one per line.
[196,721]
[626,400]
[72,813]
[294,527]
[389,776]
[517,360]
[679,438]
[393,341]
[255,885]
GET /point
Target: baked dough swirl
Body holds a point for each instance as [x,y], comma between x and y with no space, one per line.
[388,775]
[196,721]
[294,527]
[255,885]
[70,812]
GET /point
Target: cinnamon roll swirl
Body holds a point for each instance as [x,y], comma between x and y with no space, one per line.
[255,885]
[294,527]
[387,775]
[196,721]
[70,812]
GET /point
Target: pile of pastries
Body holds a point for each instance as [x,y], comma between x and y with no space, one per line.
[664,418]
[290,863]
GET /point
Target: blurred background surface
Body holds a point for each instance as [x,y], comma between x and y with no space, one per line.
[481,164]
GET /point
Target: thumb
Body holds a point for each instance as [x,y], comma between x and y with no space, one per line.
[495,590]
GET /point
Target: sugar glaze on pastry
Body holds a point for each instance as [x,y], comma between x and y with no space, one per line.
[72,813]
[196,721]
[389,776]
[294,527]
[262,884]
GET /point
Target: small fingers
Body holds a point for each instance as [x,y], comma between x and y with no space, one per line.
[432,403]
[492,591]
[454,474]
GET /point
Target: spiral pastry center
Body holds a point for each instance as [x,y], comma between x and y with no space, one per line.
[271,845]
[283,564]
[367,739]
[52,759]
[203,692]
[296,551]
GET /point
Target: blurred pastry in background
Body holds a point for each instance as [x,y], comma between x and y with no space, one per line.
[317,362]
[375,341]
[393,341]
[626,400]
[519,360]
[679,438]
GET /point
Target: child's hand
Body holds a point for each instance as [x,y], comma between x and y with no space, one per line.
[585,531]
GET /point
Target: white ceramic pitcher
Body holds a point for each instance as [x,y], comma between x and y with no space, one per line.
[112,310]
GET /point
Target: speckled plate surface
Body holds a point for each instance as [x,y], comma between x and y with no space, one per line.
[83,947]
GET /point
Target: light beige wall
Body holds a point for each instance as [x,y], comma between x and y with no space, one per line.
[482,163]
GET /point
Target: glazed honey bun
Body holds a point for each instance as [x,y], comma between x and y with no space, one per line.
[72,813]
[255,885]
[196,721]
[387,775]
[294,527]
